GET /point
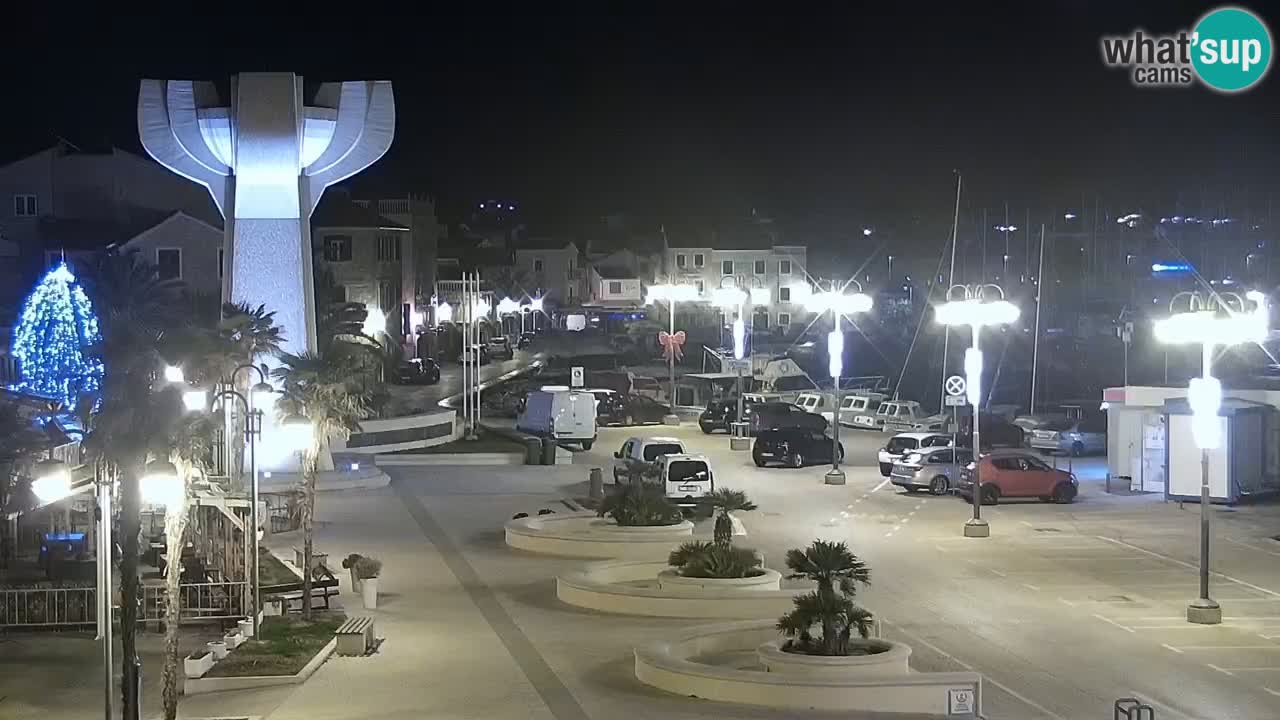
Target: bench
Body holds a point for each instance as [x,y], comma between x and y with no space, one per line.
[355,636]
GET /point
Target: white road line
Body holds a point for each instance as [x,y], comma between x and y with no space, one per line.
[1224,576]
[1184,626]
[985,677]
[886,482]
[1232,647]
[1113,622]
[913,512]
[1251,547]
[1215,667]
[1229,670]
[1065,601]
[1273,692]
[1170,647]
[1030,586]
[997,572]
[1024,522]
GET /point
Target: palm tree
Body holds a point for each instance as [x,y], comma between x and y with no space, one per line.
[189,449]
[136,311]
[837,571]
[726,501]
[327,390]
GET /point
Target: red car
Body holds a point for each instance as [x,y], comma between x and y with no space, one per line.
[1007,475]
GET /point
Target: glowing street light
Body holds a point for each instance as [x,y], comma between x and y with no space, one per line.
[839,303]
[507,306]
[671,294]
[160,485]
[974,310]
[444,313]
[174,374]
[375,321]
[194,400]
[297,432]
[52,481]
[1220,319]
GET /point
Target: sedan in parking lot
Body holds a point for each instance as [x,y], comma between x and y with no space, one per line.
[1078,437]
[903,444]
[418,371]
[1009,475]
[794,447]
[938,469]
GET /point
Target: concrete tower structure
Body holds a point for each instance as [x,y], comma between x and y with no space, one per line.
[266,158]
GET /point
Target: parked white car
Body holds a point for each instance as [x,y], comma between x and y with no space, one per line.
[686,478]
[892,415]
[904,444]
[642,450]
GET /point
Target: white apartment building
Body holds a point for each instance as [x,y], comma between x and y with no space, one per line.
[771,267]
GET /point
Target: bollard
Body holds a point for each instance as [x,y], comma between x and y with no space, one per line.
[548,451]
[596,491]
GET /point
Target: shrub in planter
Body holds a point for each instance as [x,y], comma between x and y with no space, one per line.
[349,564]
[640,505]
[700,559]
[367,567]
[837,571]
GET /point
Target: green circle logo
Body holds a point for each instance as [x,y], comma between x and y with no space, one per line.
[1231,49]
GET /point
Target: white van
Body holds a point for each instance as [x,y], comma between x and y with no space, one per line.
[563,414]
[686,478]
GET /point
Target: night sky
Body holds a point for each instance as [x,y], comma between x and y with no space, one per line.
[699,108]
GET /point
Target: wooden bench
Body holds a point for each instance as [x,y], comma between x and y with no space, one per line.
[355,636]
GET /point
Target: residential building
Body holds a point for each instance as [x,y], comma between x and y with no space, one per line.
[617,281]
[554,268]
[746,263]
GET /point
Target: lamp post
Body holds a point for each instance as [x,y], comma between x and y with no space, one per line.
[671,293]
[839,304]
[972,309]
[1210,321]
[507,306]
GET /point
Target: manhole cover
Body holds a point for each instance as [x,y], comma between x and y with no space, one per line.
[1047,530]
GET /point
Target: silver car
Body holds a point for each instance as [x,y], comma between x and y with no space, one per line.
[1077,437]
[938,469]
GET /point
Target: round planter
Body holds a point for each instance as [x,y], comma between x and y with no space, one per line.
[217,648]
[672,580]
[369,593]
[893,661]
[588,536]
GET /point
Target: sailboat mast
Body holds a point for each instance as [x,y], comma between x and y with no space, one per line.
[1035,342]
[951,279]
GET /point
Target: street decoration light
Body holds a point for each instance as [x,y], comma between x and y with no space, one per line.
[174,374]
[671,340]
[839,304]
[52,481]
[194,400]
[1219,319]
[375,322]
[159,485]
[444,313]
[972,307]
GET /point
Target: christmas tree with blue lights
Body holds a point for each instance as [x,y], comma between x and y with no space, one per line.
[53,338]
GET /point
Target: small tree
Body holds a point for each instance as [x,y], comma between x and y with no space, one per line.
[726,501]
[837,571]
[640,505]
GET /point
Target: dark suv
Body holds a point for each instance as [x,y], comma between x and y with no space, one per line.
[794,447]
[770,415]
[720,414]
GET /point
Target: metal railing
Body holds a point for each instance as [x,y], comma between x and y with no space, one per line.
[47,607]
[199,600]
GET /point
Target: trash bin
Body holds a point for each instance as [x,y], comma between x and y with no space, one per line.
[532,451]
[549,451]
[596,485]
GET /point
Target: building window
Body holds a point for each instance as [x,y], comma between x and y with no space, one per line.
[537,264]
[388,294]
[784,319]
[784,294]
[339,293]
[615,287]
[784,267]
[169,263]
[702,286]
[759,267]
[337,248]
[726,267]
[699,260]
[681,260]
[388,248]
[24,205]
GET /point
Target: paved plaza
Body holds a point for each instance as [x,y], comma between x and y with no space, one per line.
[1063,610]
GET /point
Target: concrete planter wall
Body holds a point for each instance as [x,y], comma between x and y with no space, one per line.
[609,587]
[193,686]
[586,536]
[491,458]
[194,666]
[892,661]
[667,665]
[770,580]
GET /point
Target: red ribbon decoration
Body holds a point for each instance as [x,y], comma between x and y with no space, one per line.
[672,344]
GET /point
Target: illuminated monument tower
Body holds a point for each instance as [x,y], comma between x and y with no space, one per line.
[266,159]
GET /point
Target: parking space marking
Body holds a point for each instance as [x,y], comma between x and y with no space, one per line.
[1233,647]
[1215,667]
[985,677]
[1188,565]
[1170,647]
[886,482]
[1230,670]
[1109,621]
[1273,692]
[1252,547]
[1029,586]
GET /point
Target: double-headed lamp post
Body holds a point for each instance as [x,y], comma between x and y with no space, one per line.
[969,305]
[840,304]
[670,294]
[1219,319]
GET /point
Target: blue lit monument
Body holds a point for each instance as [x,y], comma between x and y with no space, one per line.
[266,158]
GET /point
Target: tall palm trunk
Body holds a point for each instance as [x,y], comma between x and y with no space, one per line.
[830,639]
[175,530]
[309,468]
[130,589]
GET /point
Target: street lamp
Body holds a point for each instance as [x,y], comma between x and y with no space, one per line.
[1204,324]
[444,313]
[375,322]
[839,304]
[671,294]
[173,374]
[159,485]
[974,310]
[52,481]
